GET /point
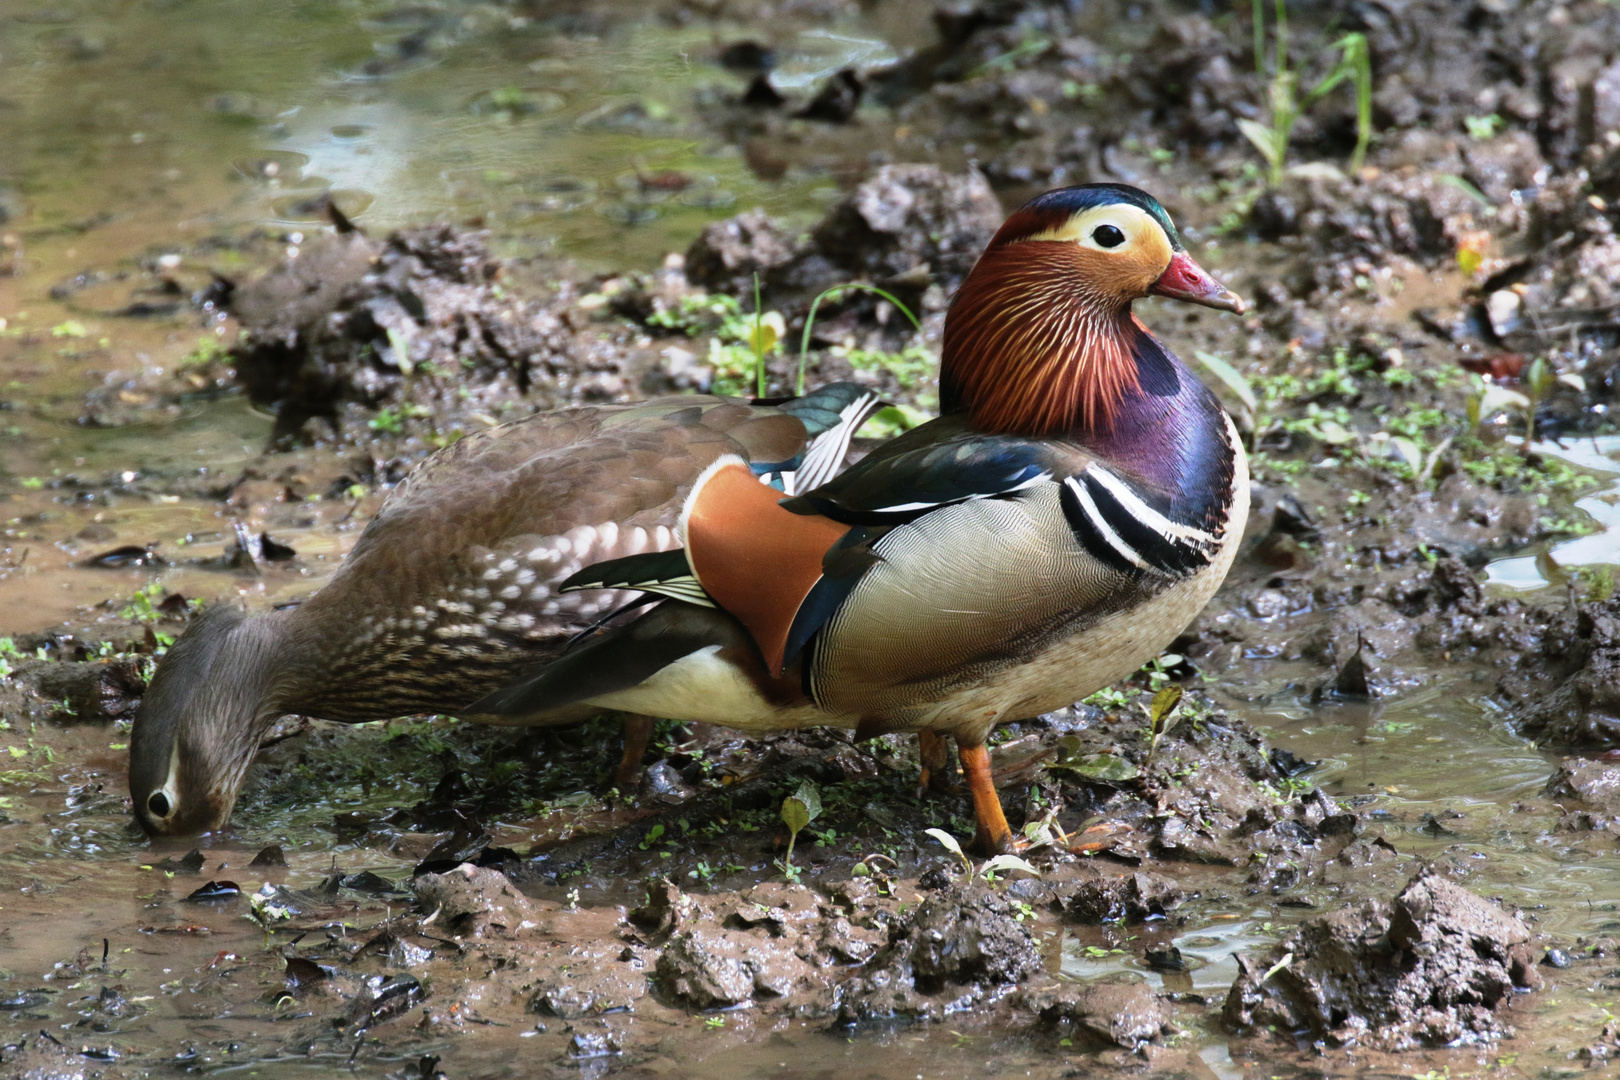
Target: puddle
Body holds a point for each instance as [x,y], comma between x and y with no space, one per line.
[1598,548]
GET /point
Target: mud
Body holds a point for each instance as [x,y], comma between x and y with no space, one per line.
[1434,966]
[1566,688]
[1376,698]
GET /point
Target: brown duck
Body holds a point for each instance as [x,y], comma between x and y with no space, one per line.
[452,589]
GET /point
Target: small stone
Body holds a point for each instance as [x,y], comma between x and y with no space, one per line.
[269,856]
[1556,958]
[1502,309]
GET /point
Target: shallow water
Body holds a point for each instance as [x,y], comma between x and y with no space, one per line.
[1599,548]
[138,131]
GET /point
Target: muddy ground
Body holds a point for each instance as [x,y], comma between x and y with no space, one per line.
[453,890]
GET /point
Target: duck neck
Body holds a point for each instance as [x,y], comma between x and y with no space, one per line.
[1171,432]
[1029,350]
[1088,372]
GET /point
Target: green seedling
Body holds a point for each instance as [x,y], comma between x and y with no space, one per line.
[1287,104]
[1160,713]
[948,842]
[1002,864]
[1490,401]
[798,811]
[1538,381]
[764,338]
[810,319]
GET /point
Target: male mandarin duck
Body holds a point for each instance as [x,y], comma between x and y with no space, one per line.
[452,588]
[1077,503]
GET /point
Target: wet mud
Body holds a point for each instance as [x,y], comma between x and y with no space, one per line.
[1380,835]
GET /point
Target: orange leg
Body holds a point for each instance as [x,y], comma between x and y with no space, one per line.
[935,754]
[992,836]
[637,730]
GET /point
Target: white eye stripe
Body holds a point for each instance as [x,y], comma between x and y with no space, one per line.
[1133,222]
[170,788]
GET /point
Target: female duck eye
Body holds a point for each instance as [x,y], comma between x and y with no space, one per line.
[1108,236]
[158,804]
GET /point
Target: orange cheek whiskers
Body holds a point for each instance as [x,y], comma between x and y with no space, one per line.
[1030,349]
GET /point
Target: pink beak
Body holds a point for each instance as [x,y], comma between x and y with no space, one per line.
[1185,280]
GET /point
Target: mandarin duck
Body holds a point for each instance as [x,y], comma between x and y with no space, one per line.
[452,589]
[1076,504]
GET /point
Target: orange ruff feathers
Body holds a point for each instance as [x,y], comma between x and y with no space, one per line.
[757,560]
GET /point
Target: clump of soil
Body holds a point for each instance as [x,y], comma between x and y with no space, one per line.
[1430,968]
[905,228]
[860,953]
[1115,1010]
[1565,690]
[406,320]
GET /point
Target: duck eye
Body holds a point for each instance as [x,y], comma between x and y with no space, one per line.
[1108,236]
[158,804]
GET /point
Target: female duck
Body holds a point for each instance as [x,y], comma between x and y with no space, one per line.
[451,589]
[1076,505]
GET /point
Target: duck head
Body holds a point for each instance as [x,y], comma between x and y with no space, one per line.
[1038,340]
[199,723]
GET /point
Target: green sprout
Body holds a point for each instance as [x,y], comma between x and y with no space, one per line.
[798,811]
[810,320]
[1286,103]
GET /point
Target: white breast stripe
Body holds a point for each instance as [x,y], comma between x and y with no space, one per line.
[1105,530]
[1144,513]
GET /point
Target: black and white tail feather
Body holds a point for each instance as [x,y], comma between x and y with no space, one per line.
[825,454]
[661,573]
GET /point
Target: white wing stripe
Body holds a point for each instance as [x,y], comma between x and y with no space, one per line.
[826,451]
[902,508]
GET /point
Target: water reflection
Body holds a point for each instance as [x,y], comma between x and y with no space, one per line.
[1600,547]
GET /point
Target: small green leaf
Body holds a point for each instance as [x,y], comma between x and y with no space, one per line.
[1281,965]
[1408,450]
[1265,140]
[947,841]
[1164,703]
[400,346]
[802,807]
[1003,863]
[1334,433]
[1497,398]
[1541,377]
[1231,377]
[1462,184]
